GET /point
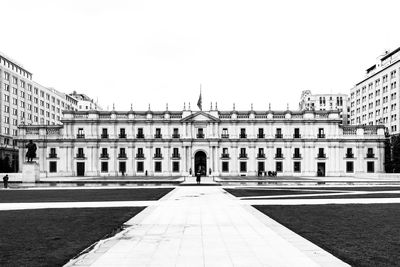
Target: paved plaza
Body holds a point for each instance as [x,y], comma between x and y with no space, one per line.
[204,226]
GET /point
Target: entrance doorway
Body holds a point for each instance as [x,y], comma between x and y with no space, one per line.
[80,168]
[321,168]
[200,163]
[261,168]
[122,167]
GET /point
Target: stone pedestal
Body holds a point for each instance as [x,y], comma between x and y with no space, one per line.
[30,172]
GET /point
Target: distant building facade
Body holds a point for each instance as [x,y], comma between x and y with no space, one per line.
[23,101]
[85,102]
[223,143]
[309,101]
[375,99]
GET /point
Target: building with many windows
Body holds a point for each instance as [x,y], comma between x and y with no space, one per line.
[224,143]
[375,99]
[339,102]
[85,102]
[23,101]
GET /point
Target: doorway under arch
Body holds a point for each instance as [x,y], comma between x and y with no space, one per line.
[200,162]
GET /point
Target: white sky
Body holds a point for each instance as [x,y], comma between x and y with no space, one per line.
[160,51]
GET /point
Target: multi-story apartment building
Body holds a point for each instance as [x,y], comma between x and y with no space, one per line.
[23,101]
[85,102]
[309,101]
[135,143]
[375,99]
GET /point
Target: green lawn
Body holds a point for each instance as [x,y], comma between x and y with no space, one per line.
[84,195]
[50,237]
[361,235]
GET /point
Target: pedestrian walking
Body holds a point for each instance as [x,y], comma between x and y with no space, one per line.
[5,181]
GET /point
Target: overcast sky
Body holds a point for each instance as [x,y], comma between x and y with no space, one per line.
[158,52]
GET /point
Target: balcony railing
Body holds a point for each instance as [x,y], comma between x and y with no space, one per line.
[104,156]
[349,155]
[243,155]
[200,135]
[52,155]
[140,136]
[321,135]
[278,135]
[278,155]
[261,155]
[122,156]
[296,135]
[104,135]
[122,135]
[176,136]
[80,156]
[157,156]
[370,155]
[80,136]
[297,156]
[224,135]
[176,156]
[225,155]
[260,135]
[140,156]
[158,136]
[242,135]
[321,155]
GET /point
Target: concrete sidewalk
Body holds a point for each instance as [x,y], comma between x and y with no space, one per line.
[204,226]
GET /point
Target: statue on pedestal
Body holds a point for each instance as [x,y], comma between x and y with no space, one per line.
[31,153]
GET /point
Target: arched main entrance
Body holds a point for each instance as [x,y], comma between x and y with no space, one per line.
[200,162]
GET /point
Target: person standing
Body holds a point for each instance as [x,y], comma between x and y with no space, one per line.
[198,176]
[5,181]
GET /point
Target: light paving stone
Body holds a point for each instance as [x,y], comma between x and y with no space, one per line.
[203,226]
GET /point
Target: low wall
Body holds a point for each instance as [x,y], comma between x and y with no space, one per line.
[13,176]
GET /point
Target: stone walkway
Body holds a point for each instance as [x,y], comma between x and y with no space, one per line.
[204,226]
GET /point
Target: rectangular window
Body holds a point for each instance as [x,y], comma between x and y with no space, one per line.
[260,133]
[296,166]
[140,133]
[104,166]
[278,133]
[175,133]
[225,166]
[140,166]
[321,133]
[278,153]
[278,166]
[296,133]
[158,133]
[122,133]
[243,166]
[53,166]
[175,166]
[349,166]
[370,166]
[157,166]
[200,133]
[104,133]
[224,133]
[243,153]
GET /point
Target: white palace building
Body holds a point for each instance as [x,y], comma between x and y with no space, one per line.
[220,143]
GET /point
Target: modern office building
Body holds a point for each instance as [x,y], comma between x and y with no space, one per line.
[223,143]
[85,102]
[375,99]
[23,101]
[309,101]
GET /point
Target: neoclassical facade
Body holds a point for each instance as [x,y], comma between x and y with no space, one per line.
[218,143]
